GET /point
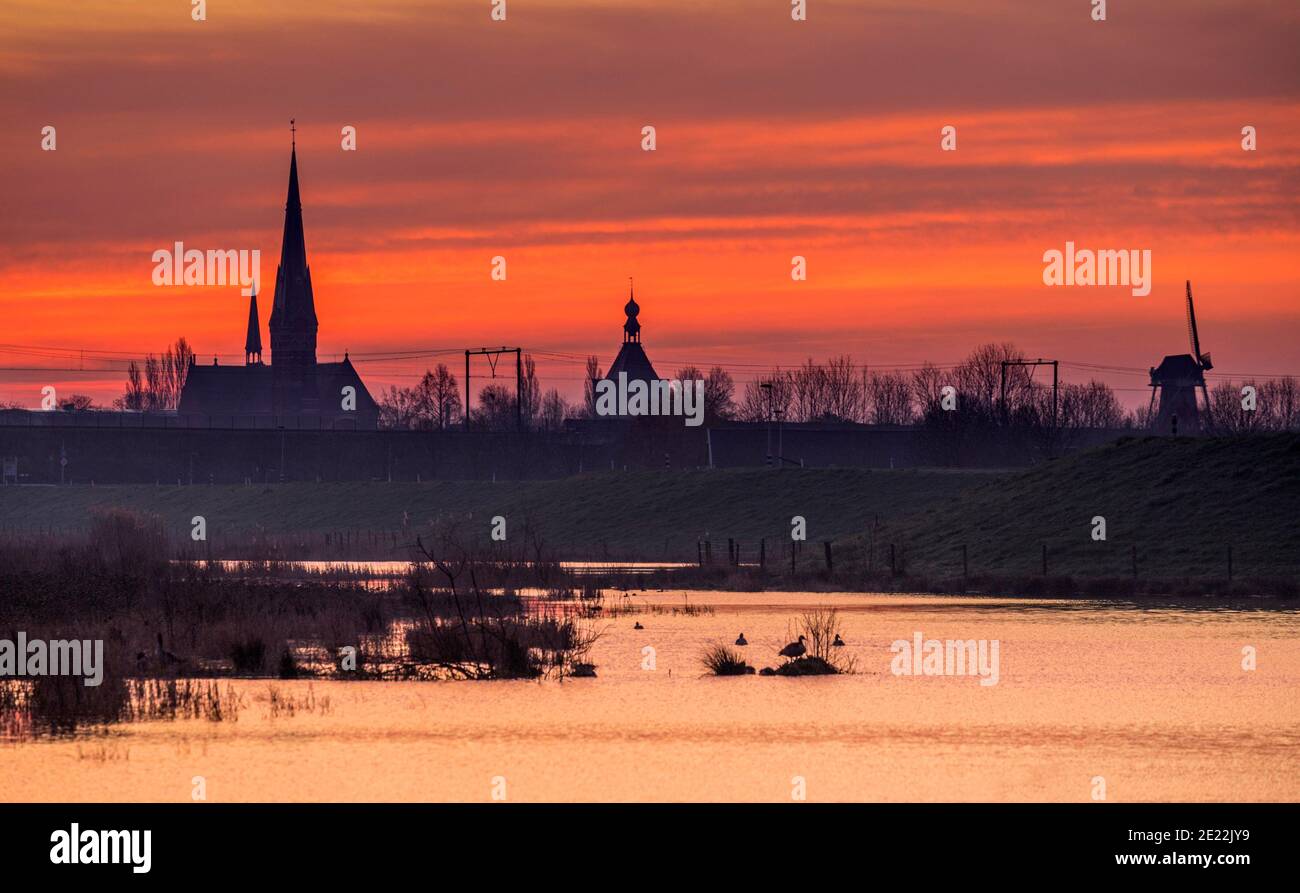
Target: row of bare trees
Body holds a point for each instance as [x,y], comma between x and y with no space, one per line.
[435,404]
[158,385]
[840,390]
[1276,406]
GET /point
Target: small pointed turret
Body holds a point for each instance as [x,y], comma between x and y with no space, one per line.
[253,341]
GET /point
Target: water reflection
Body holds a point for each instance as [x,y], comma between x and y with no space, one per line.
[1154,698]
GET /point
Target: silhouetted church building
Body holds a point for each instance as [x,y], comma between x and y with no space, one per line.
[631,356]
[293,390]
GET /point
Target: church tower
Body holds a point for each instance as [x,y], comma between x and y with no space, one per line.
[631,357]
[293,313]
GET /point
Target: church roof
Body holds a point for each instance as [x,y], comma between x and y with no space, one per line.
[632,360]
[248,390]
[226,390]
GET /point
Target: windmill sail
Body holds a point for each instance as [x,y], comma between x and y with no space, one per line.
[1202,359]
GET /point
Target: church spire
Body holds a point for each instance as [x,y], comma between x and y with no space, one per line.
[253,341]
[293,310]
[631,328]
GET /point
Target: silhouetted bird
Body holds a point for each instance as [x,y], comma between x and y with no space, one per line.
[637,625]
[838,643]
[794,649]
[741,640]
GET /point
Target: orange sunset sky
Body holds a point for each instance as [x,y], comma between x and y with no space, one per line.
[775,138]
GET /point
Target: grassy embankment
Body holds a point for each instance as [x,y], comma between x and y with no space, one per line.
[640,515]
[1181,503]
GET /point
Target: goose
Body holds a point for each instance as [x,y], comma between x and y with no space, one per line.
[741,640]
[794,649]
[838,643]
[637,625]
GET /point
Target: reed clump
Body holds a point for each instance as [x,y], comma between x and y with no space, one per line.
[722,660]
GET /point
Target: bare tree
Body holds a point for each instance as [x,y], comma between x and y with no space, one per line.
[555,409]
[843,389]
[766,398]
[438,399]
[496,408]
[889,398]
[134,398]
[398,408]
[594,374]
[927,386]
[160,384]
[979,379]
[808,392]
[1279,401]
[530,393]
[76,403]
[719,394]
[1227,413]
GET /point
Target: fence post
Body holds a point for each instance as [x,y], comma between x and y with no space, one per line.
[893,565]
[830,567]
[762,553]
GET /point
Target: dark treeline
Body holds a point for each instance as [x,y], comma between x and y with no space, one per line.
[837,390]
[841,390]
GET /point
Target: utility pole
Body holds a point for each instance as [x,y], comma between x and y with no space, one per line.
[1056,381]
[493,354]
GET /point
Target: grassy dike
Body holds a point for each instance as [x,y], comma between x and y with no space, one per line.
[656,515]
[1181,503]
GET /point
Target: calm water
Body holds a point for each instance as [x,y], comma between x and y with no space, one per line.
[1153,700]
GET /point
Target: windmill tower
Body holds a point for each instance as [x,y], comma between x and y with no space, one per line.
[1175,382]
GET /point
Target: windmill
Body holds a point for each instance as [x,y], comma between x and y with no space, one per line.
[1175,382]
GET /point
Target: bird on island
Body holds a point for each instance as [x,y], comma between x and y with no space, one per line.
[794,649]
[637,625]
[838,643]
[741,640]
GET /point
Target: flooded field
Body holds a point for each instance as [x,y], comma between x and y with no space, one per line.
[1155,701]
